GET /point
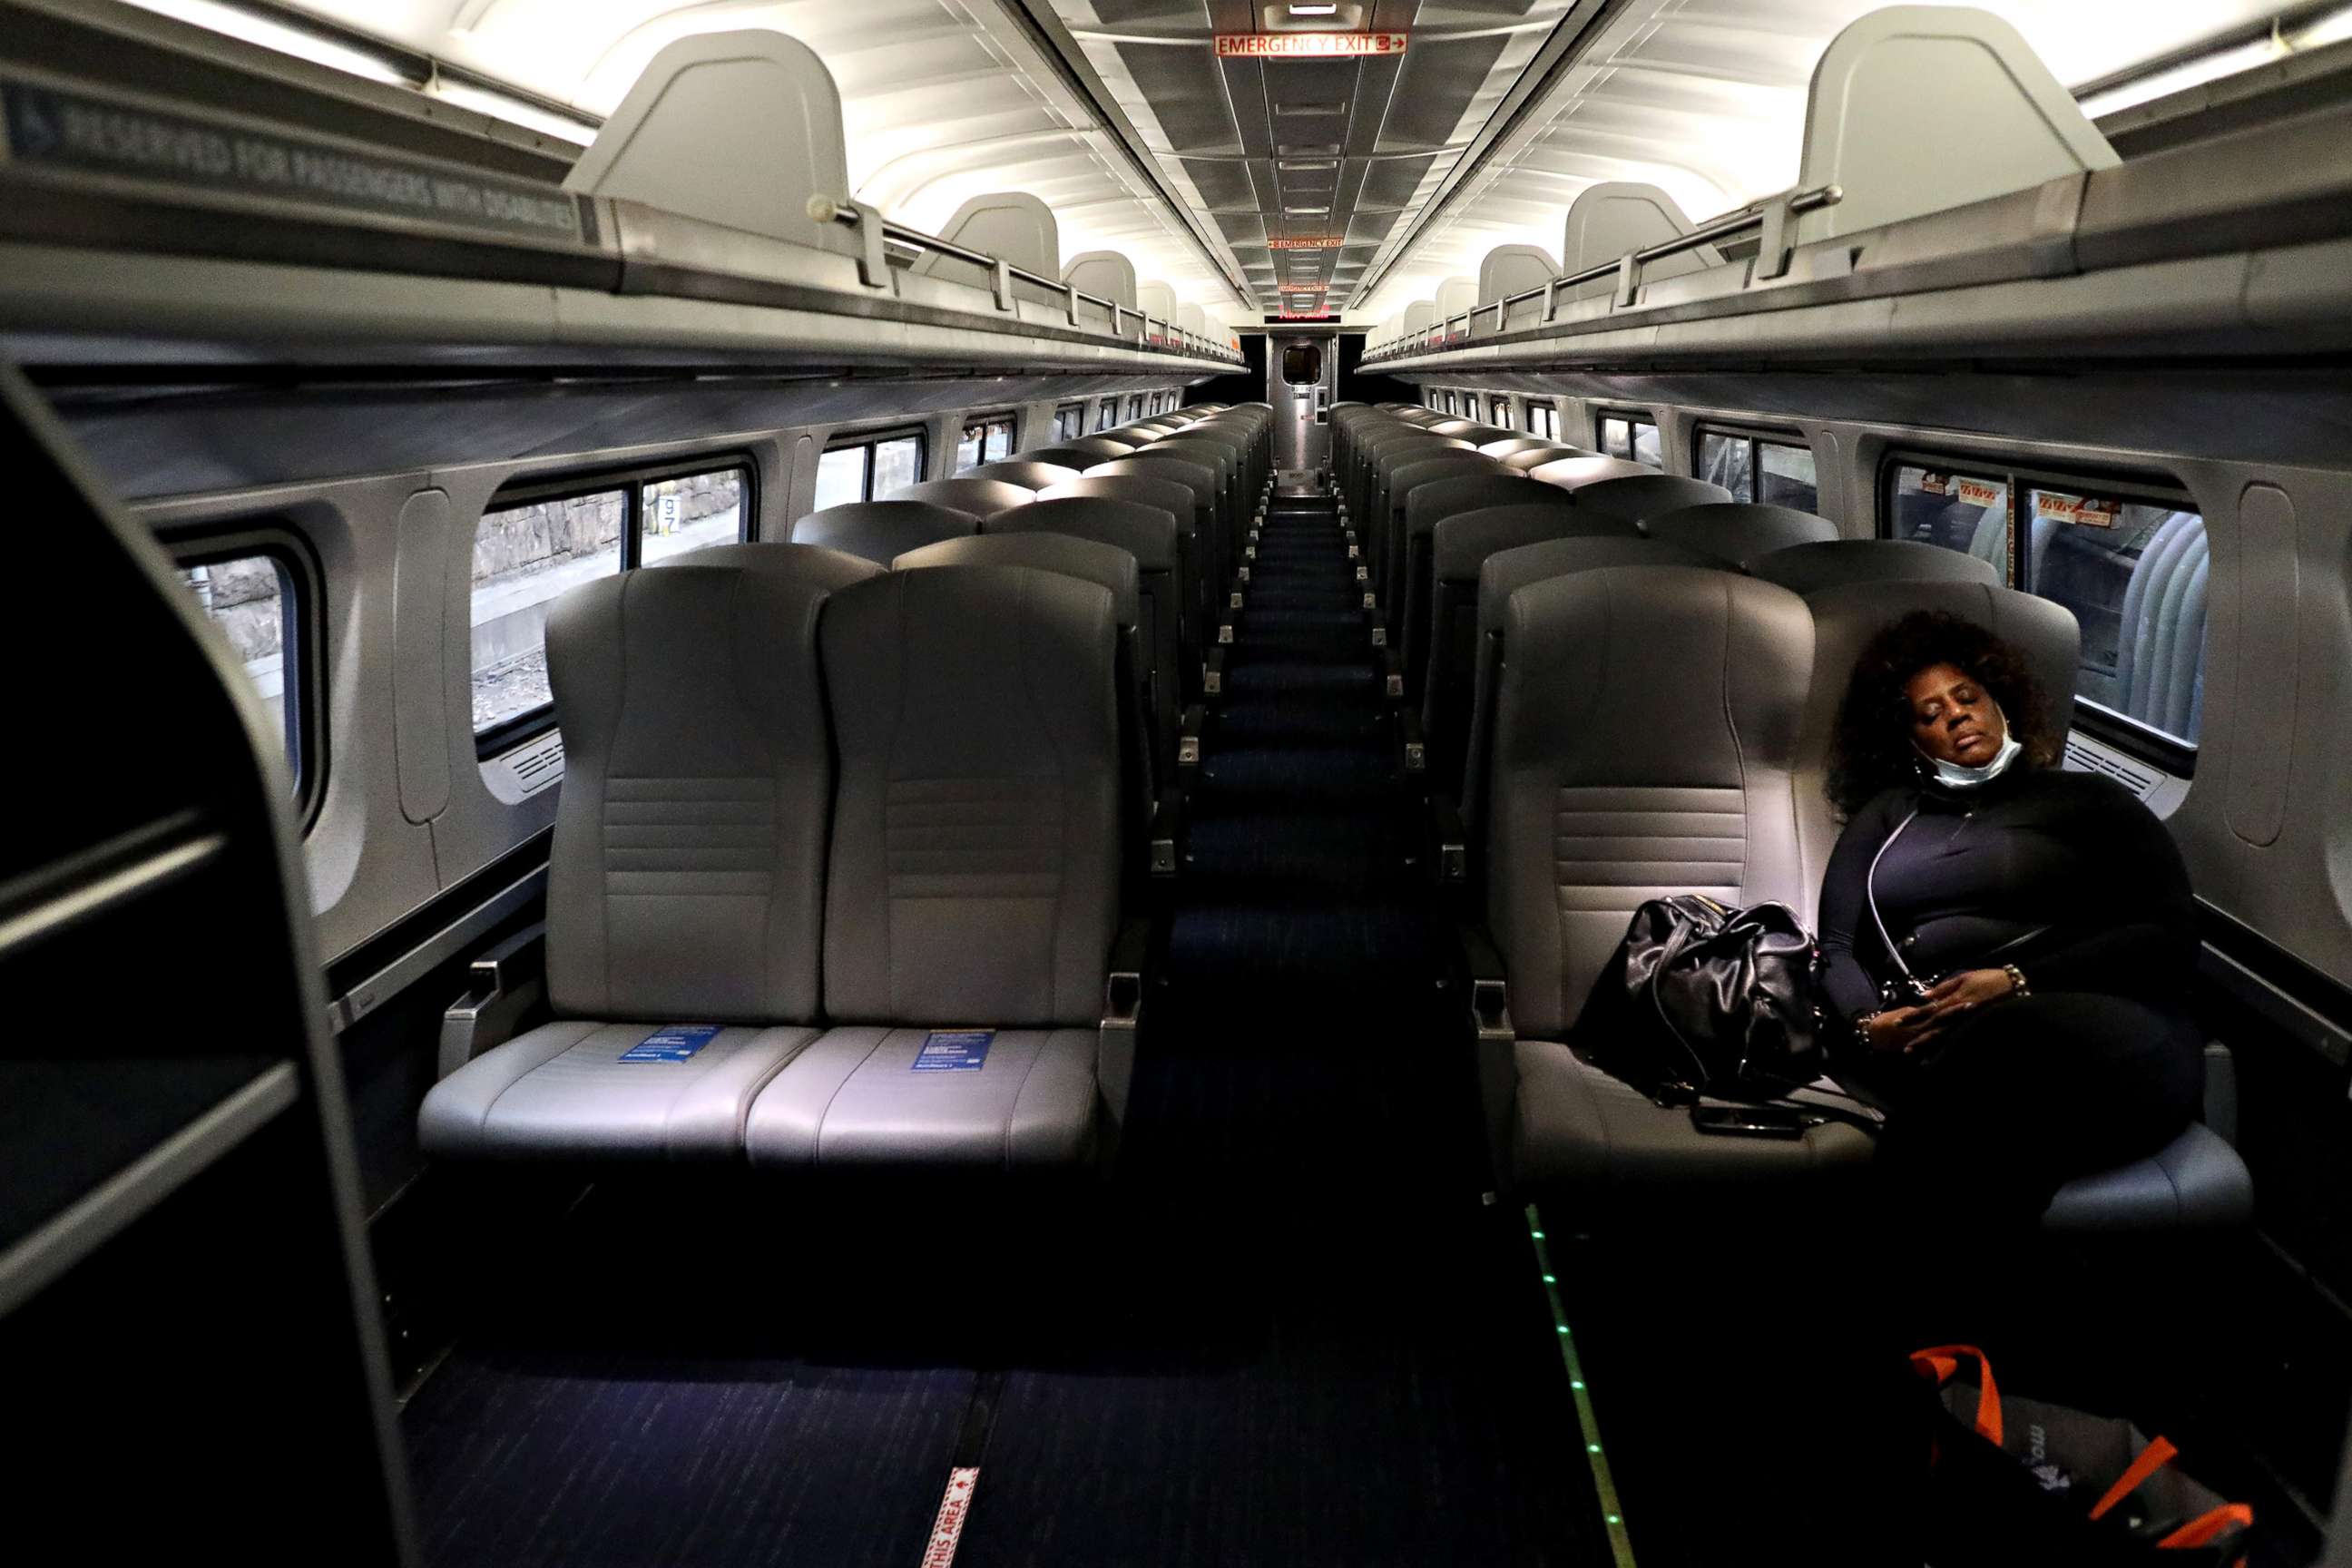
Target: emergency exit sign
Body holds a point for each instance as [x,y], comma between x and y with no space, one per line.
[1306,45]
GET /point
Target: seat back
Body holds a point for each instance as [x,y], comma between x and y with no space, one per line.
[1527,459]
[1575,473]
[1505,573]
[882,531]
[1742,532]
[1391,559]
[1149,536]
[1645,744]
[969,493]
[1072,455]
[1638,498]
[1834,562]
[973,877]
[687,864]
[1030,474]
[1503,447]
[1426,506]
[813,563]
[1207,516]
[1178,500]
[1847,617]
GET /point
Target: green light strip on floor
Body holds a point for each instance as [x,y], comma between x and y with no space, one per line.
[1612,1516]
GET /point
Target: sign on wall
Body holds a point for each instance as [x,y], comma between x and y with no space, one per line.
[1306,45]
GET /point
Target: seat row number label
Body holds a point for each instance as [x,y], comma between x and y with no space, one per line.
[955,1506]
[671,1043]
[953,1050]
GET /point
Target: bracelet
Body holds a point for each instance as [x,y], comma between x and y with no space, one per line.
[2017,986]
[1861,1027]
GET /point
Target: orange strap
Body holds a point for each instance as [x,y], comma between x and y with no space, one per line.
[2201,1530]
[2152,1458]
[1942,1361]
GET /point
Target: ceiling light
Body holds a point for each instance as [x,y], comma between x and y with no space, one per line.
[1306,149]
[515,111]
[1314,10]
[1298,165]
[303,43]
[1304,110]
[1306,211]
[2178,79]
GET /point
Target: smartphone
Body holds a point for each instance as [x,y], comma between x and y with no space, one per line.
[1750,1121]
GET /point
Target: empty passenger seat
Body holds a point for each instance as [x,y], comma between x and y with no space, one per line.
[977,496]
[684,884]
[1638,498]
[882,531]
[972,888]
[1741,532]
[1028,474]
[1835,562]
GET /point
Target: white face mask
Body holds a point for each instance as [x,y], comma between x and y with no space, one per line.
[1960,776]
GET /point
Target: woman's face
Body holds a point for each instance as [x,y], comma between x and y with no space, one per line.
[1953,719]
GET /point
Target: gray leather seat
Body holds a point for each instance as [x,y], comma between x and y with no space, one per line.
[973,884]
[1391,545]
[882,531]
[1645,738]
[1575,473]
[1101,448]
[1149,537]
[685,879]
[1640,497]
[1180,502]
[1426,508]
[1505,446]
[2198,1179]
[977,496]
[1505,573]
[1207,517]
[1072,455]
[1528,459]
[1834,563]
[1740,531]
[1029,474]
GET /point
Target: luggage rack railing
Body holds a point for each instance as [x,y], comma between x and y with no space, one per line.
[1003,275]
[1768,216]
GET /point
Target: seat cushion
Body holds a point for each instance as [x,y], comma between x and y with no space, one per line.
[858,1098]
[1586,1135]
[2197,1179]
[563,1092]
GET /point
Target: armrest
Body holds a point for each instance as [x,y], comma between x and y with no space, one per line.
[502,988]
[1392,673]
[1166,821]
[1213,668]
[1415,743]
[1122,1016]
[1496,1043]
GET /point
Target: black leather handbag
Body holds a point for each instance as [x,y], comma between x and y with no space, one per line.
[1704,999]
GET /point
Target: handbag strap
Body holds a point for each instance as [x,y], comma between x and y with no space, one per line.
[2202,1529]
[1942,1362]
[2152,1458]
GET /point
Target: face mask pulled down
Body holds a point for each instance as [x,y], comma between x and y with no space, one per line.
[1960,777]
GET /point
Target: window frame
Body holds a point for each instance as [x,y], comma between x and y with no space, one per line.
[1105,414]
[1063,411]
[302,677]
[873,438]
[1758,437]
[1499,409]
[2133,738]
[631,480]
[1633,418]
[1550,412]
[1008,418]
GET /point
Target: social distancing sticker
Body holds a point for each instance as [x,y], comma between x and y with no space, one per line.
[953,1050]
[671,1043]
[955,1507]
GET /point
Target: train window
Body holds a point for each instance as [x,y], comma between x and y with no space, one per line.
[687,511]
[841,475]
[1778,473]
[257,597]
[526,555]
[1632,438]
[1105,414]
[1499,411]
[1069,421]
[898,463]
[1135,407]
[984,441]
[1543,419]
[2131,566]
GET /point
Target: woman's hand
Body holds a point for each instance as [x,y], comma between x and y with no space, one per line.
[1956,996]
[1901,1029]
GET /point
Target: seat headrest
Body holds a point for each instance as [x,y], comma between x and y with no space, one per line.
[1177,499]
[1506,572]
[1102,564]
[1198,477]
[1529,459]
[827,569]
[1834,562]
[2044,630]
[1030,474]
[1146,532]
[1740,531]
[976,496]
[1575,473]
[1504,445]
[1435,467]
[882,531]
[1639,498]
[1465,537]
[1471,490]
[1101,448]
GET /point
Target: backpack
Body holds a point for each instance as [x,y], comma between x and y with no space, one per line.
[1701,999]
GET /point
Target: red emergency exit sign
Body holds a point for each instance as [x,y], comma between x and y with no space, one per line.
[1306,45]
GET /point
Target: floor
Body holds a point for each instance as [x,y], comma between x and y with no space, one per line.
[1291,1333]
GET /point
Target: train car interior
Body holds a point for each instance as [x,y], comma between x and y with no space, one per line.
[897,768]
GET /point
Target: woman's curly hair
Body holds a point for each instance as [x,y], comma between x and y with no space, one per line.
[1872,749]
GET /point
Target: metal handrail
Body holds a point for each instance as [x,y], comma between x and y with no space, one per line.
[1627,268]
[849,214]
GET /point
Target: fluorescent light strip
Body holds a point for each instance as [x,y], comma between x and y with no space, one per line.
[271,34]
[2331,28]
[514,111]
